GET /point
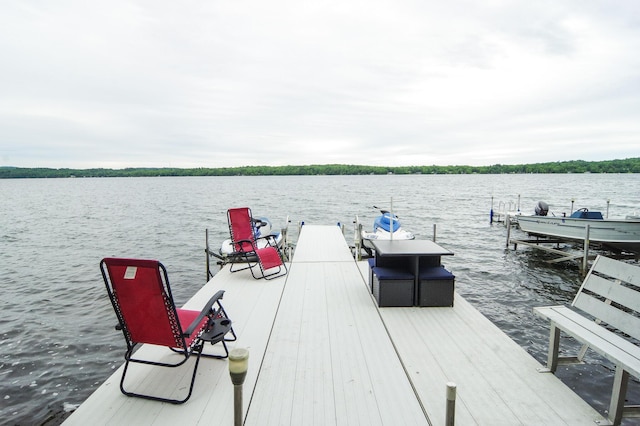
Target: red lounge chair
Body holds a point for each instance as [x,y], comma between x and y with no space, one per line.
[250,250]
[141,296]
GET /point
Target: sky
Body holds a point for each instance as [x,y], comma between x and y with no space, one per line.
[226,83]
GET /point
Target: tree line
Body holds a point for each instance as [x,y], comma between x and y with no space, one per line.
[629,165]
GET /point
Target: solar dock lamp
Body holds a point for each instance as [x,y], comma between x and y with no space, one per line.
[450,418]
[238,366]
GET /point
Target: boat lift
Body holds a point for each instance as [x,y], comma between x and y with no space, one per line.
[562,255]
[583,256]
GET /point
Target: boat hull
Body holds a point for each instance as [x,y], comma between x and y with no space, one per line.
[617,234]
[400,234]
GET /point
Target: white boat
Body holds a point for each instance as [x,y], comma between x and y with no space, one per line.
[618,234]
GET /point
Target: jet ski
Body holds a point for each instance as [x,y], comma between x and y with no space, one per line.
[387,227]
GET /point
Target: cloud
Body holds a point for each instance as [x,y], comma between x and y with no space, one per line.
[202,84]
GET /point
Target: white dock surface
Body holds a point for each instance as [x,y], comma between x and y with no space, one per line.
[322,353]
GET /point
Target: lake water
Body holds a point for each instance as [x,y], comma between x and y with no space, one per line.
[57,341]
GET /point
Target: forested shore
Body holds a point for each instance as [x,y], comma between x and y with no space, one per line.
[629,165]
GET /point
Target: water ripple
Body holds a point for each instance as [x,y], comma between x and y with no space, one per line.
[57,336]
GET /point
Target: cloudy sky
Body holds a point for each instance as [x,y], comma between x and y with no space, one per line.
[380,82]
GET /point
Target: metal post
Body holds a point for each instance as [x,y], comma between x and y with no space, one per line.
[608,201]
[237,405]
[451,404]
[585,259]
[206,251]
[508,222]
[285,242]
[491,211]
[434,232]
[238,366]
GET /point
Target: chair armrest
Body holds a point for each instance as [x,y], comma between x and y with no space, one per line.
[204,313]
[240,243]
[271,240]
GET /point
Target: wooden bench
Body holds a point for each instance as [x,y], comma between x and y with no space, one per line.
[610,295]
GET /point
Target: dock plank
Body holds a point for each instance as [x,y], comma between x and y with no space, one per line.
[497,381]
[322,352]
[322,244]
[344,369]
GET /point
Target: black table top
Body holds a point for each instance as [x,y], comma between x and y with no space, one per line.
[409,248]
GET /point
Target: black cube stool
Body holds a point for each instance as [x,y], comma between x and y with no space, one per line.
[392,287]
[436,287]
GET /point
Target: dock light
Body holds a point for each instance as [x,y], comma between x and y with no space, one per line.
[238,366]
[450,414]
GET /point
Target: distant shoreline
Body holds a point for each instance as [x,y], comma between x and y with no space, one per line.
[629,165]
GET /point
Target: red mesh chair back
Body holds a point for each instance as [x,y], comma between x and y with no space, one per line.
[241,228]
[141,297]
[145,304]
[250,249]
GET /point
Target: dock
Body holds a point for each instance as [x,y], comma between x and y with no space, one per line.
[322,352]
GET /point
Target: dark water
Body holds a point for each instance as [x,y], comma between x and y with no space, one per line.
[57,342]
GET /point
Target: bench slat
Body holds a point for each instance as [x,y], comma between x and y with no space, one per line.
[618,270]
[608,344]
[609,314]
[626,296]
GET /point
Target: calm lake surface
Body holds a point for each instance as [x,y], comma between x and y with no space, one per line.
[57,341]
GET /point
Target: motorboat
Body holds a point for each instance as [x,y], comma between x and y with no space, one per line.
[583,224]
